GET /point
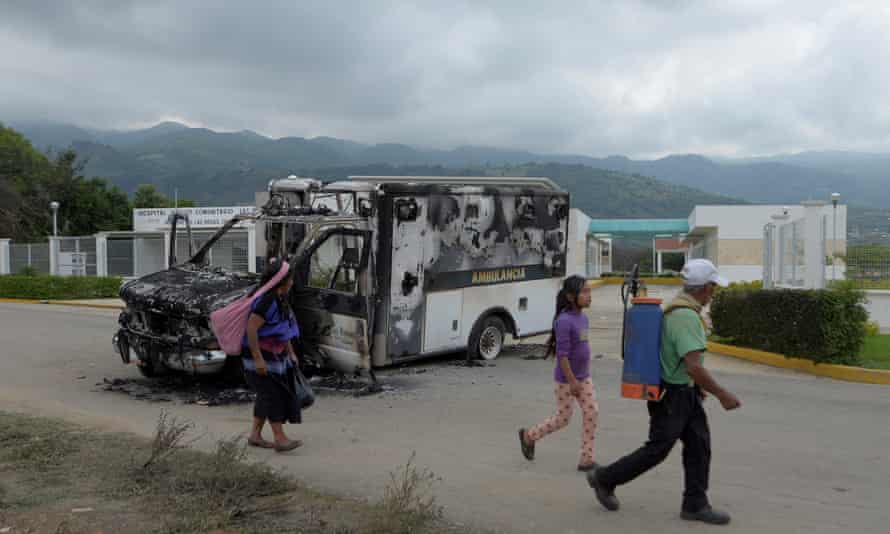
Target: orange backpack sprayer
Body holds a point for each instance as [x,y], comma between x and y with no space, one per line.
[640,341]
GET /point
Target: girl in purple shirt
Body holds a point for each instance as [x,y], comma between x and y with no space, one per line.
[568,341]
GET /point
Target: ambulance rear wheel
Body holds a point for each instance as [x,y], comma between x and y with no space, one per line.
[487,339]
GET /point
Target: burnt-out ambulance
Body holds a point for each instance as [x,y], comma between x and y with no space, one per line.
[388,270]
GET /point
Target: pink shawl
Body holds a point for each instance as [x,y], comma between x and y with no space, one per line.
[229,323]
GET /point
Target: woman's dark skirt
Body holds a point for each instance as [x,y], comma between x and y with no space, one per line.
[276,397]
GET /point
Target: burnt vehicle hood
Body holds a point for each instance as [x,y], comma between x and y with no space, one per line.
[187,290]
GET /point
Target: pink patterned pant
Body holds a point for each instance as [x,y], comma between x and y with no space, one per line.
[589,409]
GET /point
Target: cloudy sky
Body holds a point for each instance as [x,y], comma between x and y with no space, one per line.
[642,78]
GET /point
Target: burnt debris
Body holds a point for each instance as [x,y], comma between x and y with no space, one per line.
[182,389]
[210,391]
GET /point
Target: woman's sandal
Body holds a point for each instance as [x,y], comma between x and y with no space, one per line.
[291,445]
[527,450]
[260,443]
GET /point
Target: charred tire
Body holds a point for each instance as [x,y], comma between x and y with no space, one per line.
[487,338]
[151,368]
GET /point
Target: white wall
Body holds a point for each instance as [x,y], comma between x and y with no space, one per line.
[878,307]
[747,222]
[579,223]
[748,273]
[741,273]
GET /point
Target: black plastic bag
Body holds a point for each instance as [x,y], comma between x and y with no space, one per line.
[305,395]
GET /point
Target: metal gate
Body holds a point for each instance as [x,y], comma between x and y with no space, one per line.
[120,256]
[793,258]
[76,256]
[230,252]
[23,256]
[593,258]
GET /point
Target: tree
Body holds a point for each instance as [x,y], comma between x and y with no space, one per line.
[98,208]
[147,196]
[30,180]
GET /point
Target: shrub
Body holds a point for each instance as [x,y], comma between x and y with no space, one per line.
[58,287]
[642,275]
[753,285]
[872,329]
[408,502]
[821,325]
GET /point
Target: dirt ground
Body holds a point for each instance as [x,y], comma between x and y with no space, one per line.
[803,453]
[60,478]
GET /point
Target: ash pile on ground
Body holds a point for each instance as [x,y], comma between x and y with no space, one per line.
[528,351]
[355,387]
[183,389]
[215,391]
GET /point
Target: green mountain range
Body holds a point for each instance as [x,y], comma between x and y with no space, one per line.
[227,167]
[224,168]
[172,154]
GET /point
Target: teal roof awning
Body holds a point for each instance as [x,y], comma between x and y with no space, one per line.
[639,226]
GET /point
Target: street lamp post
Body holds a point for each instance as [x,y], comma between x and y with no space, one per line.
[654,255]
[55,207]
[835,197]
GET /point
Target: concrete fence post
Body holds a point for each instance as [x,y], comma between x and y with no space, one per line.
[101,254]
[5,257]
[251,248]
[54,255]
[166,254]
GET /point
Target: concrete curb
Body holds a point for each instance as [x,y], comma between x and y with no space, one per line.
[72,303]
[86,305]
[20,301]
[838,372]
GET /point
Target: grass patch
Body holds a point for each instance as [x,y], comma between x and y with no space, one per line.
[866,283]
[57,477]
[876,352]
[34,447]
[408,502]
[43,287]
[874,284]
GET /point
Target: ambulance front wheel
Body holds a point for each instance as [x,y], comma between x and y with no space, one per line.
[487,339]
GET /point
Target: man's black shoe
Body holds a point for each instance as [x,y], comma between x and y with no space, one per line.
[587,468]
[606,496]
[707,515]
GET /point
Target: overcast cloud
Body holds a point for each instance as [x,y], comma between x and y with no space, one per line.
[641,78]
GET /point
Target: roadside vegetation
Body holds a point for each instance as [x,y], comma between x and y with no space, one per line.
[60,478]
[30,285]
[876,351]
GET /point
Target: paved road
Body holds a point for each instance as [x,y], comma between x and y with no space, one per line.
[804,454]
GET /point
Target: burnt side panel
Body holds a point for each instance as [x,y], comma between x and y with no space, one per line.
[463,237]
[406,292]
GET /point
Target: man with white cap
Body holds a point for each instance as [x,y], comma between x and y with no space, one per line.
[679,415]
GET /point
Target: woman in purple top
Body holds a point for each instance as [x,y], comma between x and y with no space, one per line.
[568,341]
[268,354]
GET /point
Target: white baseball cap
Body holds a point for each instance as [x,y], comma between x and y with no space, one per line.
[700,273]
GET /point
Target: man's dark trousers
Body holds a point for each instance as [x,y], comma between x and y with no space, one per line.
[679,415]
